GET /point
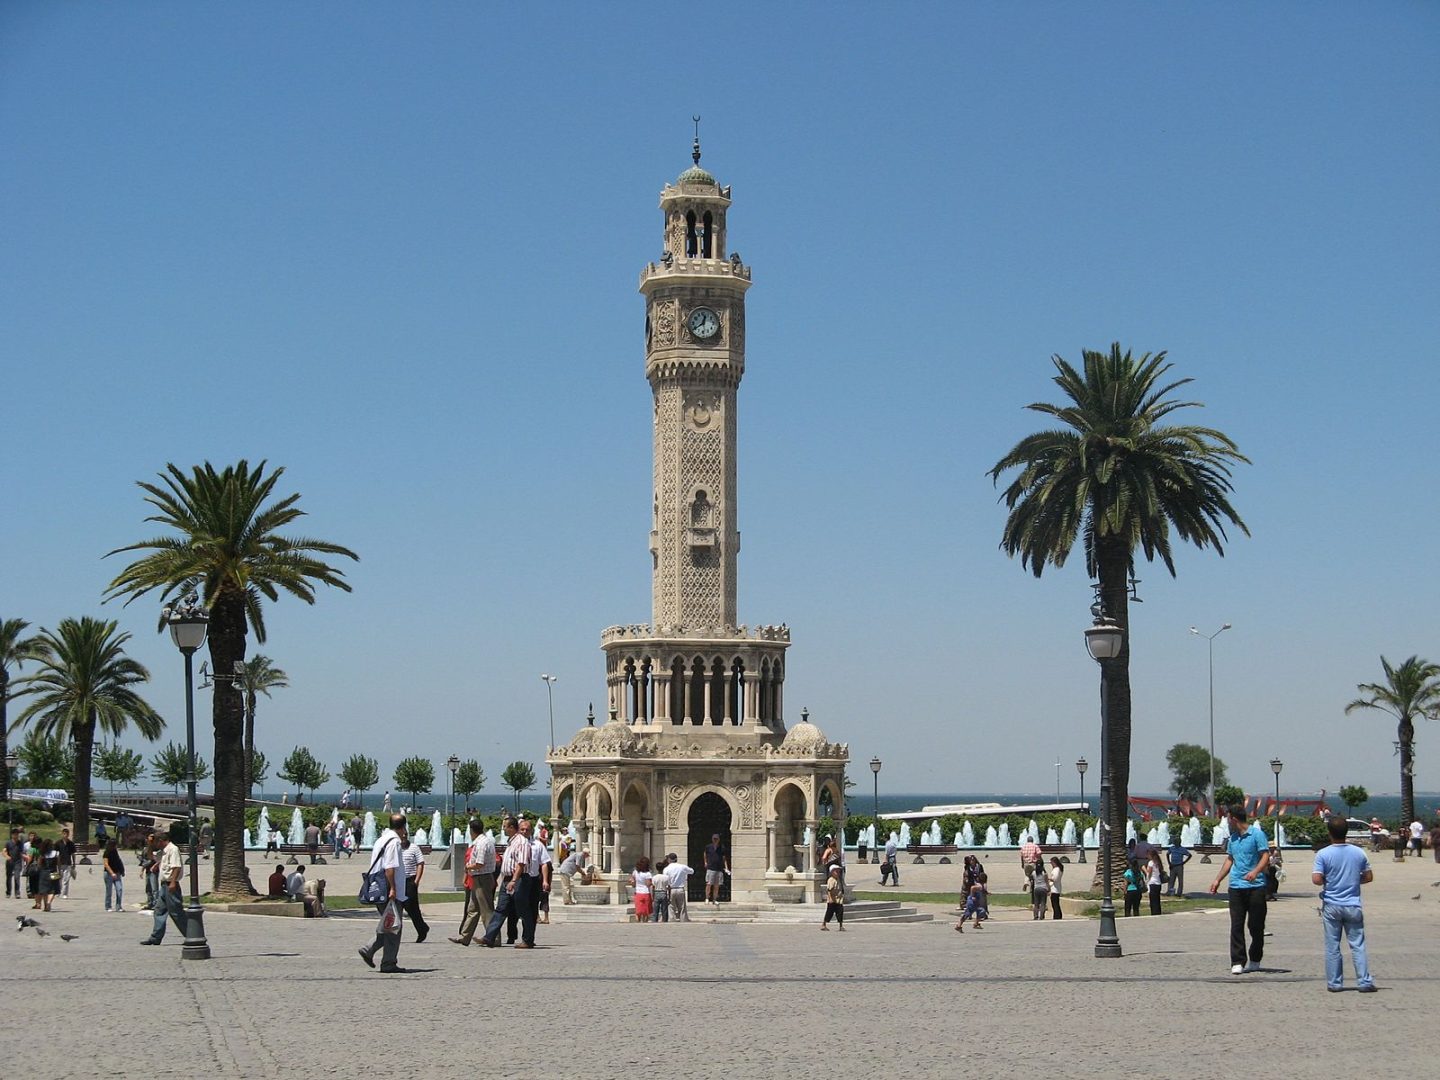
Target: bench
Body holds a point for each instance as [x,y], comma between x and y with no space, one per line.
[921,850]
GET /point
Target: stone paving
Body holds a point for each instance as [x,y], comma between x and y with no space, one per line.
[1018,998]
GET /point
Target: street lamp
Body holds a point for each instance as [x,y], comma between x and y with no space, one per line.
[1275,766]
[452,763]
[12,762]
[188,625]
[550,681]
[1210,640]
[1080,767]
[1104,641]
[875,850]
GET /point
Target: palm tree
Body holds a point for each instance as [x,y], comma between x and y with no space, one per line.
[1410,690]
[15,649]
[261,676]
[1117,478]
[85,683]
[227,544]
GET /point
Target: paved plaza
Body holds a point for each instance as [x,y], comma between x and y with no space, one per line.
[290,996]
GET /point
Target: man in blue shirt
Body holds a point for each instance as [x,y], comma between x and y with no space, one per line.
[1247,856]
[1340,870]
[1179,856]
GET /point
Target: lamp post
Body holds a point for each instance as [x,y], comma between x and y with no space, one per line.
[1080,767]
[188,625]
[1210,641]
[550,681]
[1104,640]
[875,848]
[1276,765]
[452,763]
[12,762]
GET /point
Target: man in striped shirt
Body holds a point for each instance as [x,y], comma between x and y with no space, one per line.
[512,869]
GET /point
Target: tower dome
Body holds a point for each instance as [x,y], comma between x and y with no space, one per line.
[804,735]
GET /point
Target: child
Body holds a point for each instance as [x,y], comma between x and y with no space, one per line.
[1132,888]
[834,899]
[975,902]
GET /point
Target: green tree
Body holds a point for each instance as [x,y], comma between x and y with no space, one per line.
[1409,691]
[261,676]
[169,766]
[118,765]
[1116,478]
[415,775]
[15,649]
[469,779]
[361,773]
[301,768]
[1190,765]
[1227,795]
[86,683]
[259,767]
[48,761]
[1353,795]
[225,540]
[519,777]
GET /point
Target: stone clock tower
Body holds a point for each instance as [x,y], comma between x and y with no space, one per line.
[696,743]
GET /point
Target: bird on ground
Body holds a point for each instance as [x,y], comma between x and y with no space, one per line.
[68,937]
[1415,897]
[42,933]
[22,921]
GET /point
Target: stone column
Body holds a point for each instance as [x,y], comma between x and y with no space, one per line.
[780,700]
[751,710]
[708,686]
[662,696]
[814,826]
[687,677]
[770,846]
[649,826]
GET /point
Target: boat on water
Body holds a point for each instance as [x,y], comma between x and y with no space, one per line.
[987,809]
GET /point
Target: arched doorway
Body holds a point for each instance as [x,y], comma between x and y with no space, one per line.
[709,816]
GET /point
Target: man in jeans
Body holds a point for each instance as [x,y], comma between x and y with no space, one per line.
[168,901]
[66,847]
[15,863]
[1246,858]
[1340,870]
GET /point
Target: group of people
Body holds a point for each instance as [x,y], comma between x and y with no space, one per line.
[661,892]
[37,868]
[296,886]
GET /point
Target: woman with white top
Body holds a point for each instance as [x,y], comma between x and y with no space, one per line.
[1056,873]
[1154,878]
[640,878]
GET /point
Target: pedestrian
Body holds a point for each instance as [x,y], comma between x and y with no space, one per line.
[479,883]
[1030,857]
[1132,888]
[1340,870]
[532,884]
[413,862]
[541,850]
[1039,890]
[1056,874]
[834,898]
[66,850]
[295,883]
[831,855]
[338,834]
[890,867]
[312,842]
[659,894]
[512,869]
[14,863]
[167,904]
[32,865]
[1154,879]
[314,898]
[1417,837]
[973,868]
[386,860]
[114,867]
[1179,856]
[717,865]
[975,902]
[273,842]
[385,803]
[640,882]
[1435,841]
[150,867]
[678,874]
[1246,857]
[48,881]
[566,871]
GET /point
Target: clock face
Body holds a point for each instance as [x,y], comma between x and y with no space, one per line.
[704,323]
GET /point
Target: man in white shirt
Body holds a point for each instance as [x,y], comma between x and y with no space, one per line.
[533,885]
[386,859]
[479,883]
[295,884]
[168,902]
[512,870]
[679,876]
[1417,838]
[413,860]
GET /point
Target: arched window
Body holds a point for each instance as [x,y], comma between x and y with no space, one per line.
[707,242]
[691,240]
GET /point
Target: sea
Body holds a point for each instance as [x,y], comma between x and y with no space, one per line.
[1384,806]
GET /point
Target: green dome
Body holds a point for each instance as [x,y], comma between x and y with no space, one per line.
[695,175]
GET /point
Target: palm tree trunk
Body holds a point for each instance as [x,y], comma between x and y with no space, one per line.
[1113,564]
[1407,775]
[84,755]
[4,733]
[227,645]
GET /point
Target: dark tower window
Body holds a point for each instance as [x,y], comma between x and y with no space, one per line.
[691,240]
[707,236]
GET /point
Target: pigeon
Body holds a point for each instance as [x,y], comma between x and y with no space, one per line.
[68,937]
[22,921]
[42,933]
[1415,897]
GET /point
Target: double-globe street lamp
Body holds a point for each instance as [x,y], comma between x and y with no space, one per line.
[875,823]
[188,625]
[1104,640]
[550,681]
[1210,640]
[452,763]
[12,762]
[1276,766]
[1080,767]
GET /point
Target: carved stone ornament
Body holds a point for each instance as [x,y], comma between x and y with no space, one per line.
[665,312]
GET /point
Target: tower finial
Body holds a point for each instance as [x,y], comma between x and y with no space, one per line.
[695,150]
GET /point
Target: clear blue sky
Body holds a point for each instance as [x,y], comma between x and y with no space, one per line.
[395,249]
